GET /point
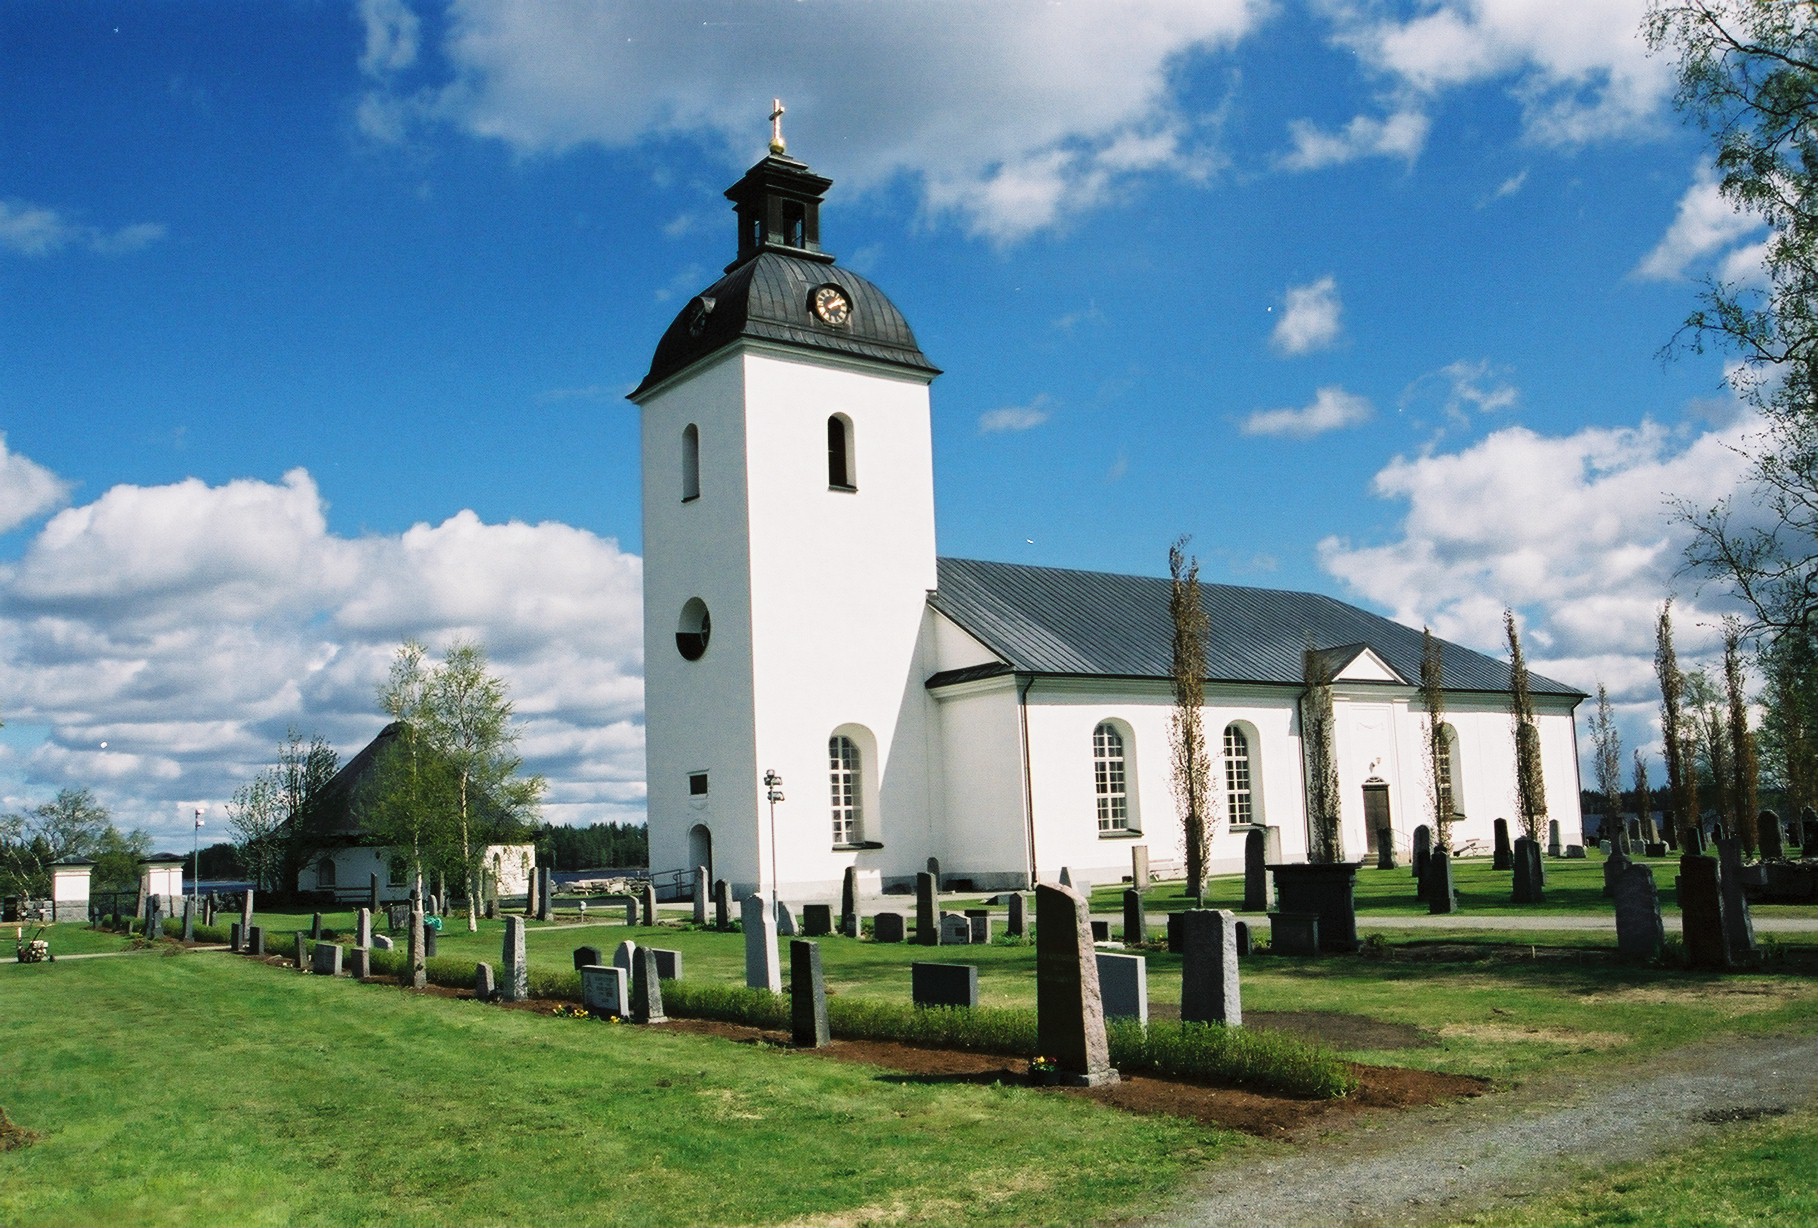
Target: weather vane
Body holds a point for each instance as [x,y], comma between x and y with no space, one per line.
[776,126]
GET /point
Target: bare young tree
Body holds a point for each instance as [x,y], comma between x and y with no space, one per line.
[1744,782]
[1708,758]
[1675,735]
[1644,797]
[1186,735]
[1606,754]
[1319,737]
[1530,784]
[255,819]
[273,816]
[1439,759]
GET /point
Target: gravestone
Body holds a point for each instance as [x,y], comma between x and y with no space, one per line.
[927,925]
[299,951]
[246,911]
[1440,896]
[700,895]
[807,996]
[325,960]
[722,904]
[943,984]
[1527,889]
[483,988]
[530,892]
[1707,943]
[1017,923]
[255,942]
[1639,933]
[626,957]
[363,928]
[1066,876]
[154,916]
[1574,852]
[209,907]
[1294,933]
[1554,846]
[1423,849]
[1123,984]
[1767,828]
[587,955]
[1136,925]
[1069,1008]
[888,927]
[1101,931]
[431,936]
[1208,967]
[761,962]
[1245,946]
[955,930]
[1605,847]
[605,992]
[1808,832]
[934,871]
[851,922]
[372,896]
[785,921]
[650,911]
[417,976]
[359,963]
[1255,870]
[1503,857]
[546,895]
[631,911]
[1385,848]
[1176,943]
[1697,844]
[980,921]
[1139,867]
[817,920]
[381,943]
[1614,867]
[189,918]
[646,989]
[1738,926]
[669,963]
[315,927]
[1656,848]
[514,969]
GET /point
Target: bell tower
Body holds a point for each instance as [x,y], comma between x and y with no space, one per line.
[788,512]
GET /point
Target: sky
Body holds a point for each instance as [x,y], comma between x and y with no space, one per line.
[317,320]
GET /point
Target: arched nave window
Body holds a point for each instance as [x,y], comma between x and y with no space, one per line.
[845,775]
[691,462]
[1240,802]
[1110,778]
[842,469]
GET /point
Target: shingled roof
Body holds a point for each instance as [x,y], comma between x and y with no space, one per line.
[1064,623]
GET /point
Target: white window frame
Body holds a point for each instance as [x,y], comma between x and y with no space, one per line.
[846,787]
[1110,778]
[1240,792]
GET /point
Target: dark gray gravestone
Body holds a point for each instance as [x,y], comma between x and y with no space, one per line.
[416,976]
[1656,848]
[1738,927]
[1017,924]
[1614,866]
[650,913]
[927,924]
[514,981]
[943,984]
[483,988]
[545,894]
[1136,925]
[1385,848]
[701,888]
[431,936]
[381,943]
[1256,872]
[300,952]
[1423,849]
[587,955]
[325,960]
[359,963]
[1767,828]
[817,921]
[363,927]
[1101,931]
[315,927]
[851,922]
[1502,858]
[1526,888]
[646,989]
[1069,1010]
[631,911]
[807,996]
[1176,943]
[722,904]
[1208,967]
[1441,898]
[255,942]
[189,918]
[1123,983]
[1639,933]
[372,896]
[956,931]
[1294,933]
[980,921]
[1808,832]
[1574,852]
[1328,889]
[669,964]
[1245,946]
[888,927]
[785,921]
[762,970]
[1698,844]
[1707,945]
[1554,847]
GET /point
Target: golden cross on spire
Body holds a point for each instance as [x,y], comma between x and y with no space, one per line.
[776,126]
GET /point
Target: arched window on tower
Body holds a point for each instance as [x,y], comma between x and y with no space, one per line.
[842,472]
[847,783]
[1240,802]
[1110,779]
[691,462]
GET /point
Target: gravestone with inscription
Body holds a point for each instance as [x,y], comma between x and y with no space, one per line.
[1738,926]
[955,930]
[980,921]
[359,963]
[1639,932]
[943,984]
[1209,991]
[514,981]
[1123,984]
[807,996]
[325,960]
[1069,1008]
[605,992]
[1555,847]
[762,966]
[1441,898]
[1423,849]
[646,989]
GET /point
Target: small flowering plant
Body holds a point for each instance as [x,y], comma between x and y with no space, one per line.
[1043,1069]
[566,1011]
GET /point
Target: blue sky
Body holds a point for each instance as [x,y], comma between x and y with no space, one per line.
[316,322]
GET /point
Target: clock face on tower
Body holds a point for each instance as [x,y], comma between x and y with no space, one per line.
[831,305]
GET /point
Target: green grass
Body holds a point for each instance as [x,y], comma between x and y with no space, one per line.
[352,1104]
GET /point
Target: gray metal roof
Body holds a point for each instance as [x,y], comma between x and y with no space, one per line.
[767,297]
[1049,620]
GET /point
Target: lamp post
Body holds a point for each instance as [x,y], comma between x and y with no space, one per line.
[773,785]
[195,856]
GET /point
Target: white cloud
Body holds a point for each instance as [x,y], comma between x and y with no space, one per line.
[1704,225]
[1508,187]
[392,31]
[1015,417]
[188,625]
[35,230]
[1332,409]
[1309,319]
[1460,388]
[1401,135]
[27,489]
[982,104]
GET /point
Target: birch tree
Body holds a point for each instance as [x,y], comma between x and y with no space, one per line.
[1439,774]
[1530,784]
[1606,756]
[1675,734]
[1318,735]
[1186,733]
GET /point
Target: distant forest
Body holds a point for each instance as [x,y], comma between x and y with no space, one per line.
[599,847]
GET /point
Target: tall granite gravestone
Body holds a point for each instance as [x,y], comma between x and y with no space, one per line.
[189,918]
[722,904]
[483,988]
[934,869]
[1016,924]
[1614,867]
[363,928]
[419,975]
[359,963]
[1070,1013]
[1554,847]
[154,916]
[927,923]
[646,989]
[255,942]
[209,905]
[807,996]
[514,980]
[234,940]
[1502,858]
[1139,866]
[246,911]
[1385,848]
[851,921]
[584,956]
[700,895]
[650,913]
[1767,828]
[1136,925]
[372,895]
[1639,933]
[1256,871]
[546,895]
[631,911]
[888,927]
[315,927]
[817,920]
[1738,926]
[530,892]
[762,970]
[1208,967]
[1526,889]
[1707,944]
[300,952]
[1441,898]
[1423,849]
[1123,984]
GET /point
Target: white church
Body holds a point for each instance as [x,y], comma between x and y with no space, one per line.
[1009,720]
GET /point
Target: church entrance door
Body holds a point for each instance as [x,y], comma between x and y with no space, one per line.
[1376,812]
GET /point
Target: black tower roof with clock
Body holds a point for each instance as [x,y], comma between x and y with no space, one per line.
[769,291]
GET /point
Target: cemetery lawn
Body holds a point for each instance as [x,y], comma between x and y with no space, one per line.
[202,1088]
[69,938]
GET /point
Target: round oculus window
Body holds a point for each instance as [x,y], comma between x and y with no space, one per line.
[692,629]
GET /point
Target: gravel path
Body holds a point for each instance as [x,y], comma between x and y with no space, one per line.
[1431,1166]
